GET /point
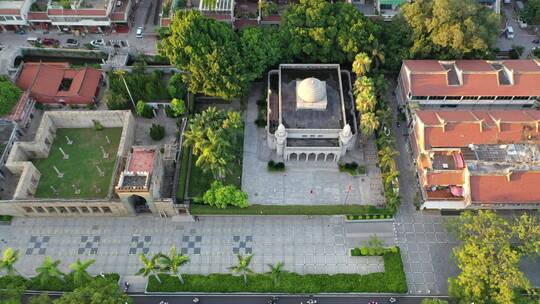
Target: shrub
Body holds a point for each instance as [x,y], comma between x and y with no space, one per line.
[6,218]
[516,51]
[144,110]
[157,132]
[276,166]
[536,52]
[178,107]
[356,252]
[220,196]
[115,101]
[97,125]
[364,251]
[352,168]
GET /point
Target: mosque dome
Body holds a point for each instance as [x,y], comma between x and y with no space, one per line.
[311,90]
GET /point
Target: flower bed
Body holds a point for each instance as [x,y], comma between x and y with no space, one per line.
[392,281]
[360,217]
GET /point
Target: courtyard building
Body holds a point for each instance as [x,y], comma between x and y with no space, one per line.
[432,84]
[14,14]
[23,112]
[311,113]
[477,159]
[83,163]
[57,83]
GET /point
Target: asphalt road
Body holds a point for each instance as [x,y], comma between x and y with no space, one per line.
[250,299]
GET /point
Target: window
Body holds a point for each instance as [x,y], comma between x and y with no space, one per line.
[106,210]
[96,210]
[436,97]
[504,97]
[40,210]
[419,97]
[487,98]
[453,97]
[85,210]
[51,209]
[386,6]
[28,209]
[73,209]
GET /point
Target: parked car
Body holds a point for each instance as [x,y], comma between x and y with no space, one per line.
[139,32]
[97,42]
[71,43]
[510,32]
[50,41]
[33,40]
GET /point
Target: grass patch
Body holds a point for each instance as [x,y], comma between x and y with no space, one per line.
[184,169]
[80,169]
[200,181]
[392,280]
[6,218]
[200,209]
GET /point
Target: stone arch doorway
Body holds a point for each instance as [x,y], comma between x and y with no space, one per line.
[139,204]
[293,156]
[330,157]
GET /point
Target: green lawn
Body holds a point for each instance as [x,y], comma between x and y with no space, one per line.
[80,169]
[184,168]
[200,181]
[200,209]
[53,284]
[392,281]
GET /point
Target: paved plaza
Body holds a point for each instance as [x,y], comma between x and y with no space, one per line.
[304,244]
[312,183]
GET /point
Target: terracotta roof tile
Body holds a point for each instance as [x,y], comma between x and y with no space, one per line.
[444,178]
[498,189]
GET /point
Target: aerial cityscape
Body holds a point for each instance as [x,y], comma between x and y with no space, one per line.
[269,151]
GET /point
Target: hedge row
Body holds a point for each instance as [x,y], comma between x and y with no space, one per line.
[391,281]
[54,284]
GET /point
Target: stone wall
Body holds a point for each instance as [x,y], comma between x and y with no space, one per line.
[19,160]
[58,207]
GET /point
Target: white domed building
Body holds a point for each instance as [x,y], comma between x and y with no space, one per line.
[311,113]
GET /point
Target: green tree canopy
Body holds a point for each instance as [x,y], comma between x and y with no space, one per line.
[320,31]
[214,136]
[208,50]
[9,95]
[220,196]
[489,265]
[450,29]
[261,48]
[531,13]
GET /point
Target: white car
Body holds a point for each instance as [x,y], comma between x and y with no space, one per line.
[97,43]
[139,32]
[510,32]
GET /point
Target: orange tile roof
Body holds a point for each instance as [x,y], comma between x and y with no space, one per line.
[498,189]
[428,78]
[459,128]
[444,178]
[43,81]
[77,12]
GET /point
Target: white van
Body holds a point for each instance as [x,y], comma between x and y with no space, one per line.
[33,40]
[510,32]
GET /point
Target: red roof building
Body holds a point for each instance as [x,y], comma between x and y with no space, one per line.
[477,158]
[58,83]
[469,82]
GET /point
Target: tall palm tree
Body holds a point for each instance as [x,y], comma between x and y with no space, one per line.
[79,271]
[364,84]
[368,124]
[9,258]
[173,262]
[276,271]
[386,158]
[150,267]
[121,73]
[377,55]
[48,270]
[361,64]
[366,102]
[243,266]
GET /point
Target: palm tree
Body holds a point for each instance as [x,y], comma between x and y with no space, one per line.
[243,266]
[173,262]
[363,84]
[48,270]
[361,64]
[386,158]
[368,124]
[121,73]
[9,258]
[276,271]
[79,271]
[377,55]
[150,267]
[366,102]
